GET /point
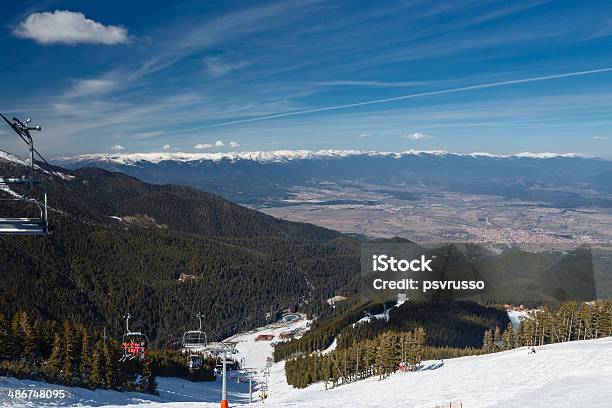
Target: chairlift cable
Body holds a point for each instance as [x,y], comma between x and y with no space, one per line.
[51,170]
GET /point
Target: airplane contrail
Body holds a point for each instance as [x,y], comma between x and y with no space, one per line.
[398,98]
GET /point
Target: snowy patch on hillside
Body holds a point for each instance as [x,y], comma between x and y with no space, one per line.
[331,347]
[516,317]
[6,156]
[7,189]
[256,352]
[9,157]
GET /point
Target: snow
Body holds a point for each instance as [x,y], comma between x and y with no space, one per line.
[7,189]
[516,317]
[255,353]
[6,156]
[559,375]
[171,390]
[131,159]
[331,347]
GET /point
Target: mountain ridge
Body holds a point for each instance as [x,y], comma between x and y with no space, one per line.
[274,178]
[288,155]
[122,245]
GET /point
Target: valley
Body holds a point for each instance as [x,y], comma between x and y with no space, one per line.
[429,215]
[538,201]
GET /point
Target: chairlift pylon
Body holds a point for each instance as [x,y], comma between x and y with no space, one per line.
[134,344]
[195,339]
[25,225]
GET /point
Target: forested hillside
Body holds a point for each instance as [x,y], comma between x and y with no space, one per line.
[162,253]
[364,350]
[69,354]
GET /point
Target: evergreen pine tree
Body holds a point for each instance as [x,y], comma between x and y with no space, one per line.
[85,358]
[28,335]
[69,349]
[508,337]
[98,376]
[487,342]
[496,339]
[4,338]
[16,344]
[110,375]
[54,363]
[419,339]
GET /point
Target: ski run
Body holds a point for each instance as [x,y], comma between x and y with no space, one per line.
[559,375]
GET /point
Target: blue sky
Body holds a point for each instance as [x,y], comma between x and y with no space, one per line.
[168,76]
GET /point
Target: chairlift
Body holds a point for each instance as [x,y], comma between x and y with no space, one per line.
[134,344]
[194,362]
[25,225]
[195,339]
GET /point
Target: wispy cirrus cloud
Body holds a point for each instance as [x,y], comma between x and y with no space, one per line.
[69,27]
[147,135]
[88,87]
[371,84]
[117,147]
[222,65]
[233,66]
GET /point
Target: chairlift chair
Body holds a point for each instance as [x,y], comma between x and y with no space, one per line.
[134,344]
[195,339]
[25,225]
[194,362]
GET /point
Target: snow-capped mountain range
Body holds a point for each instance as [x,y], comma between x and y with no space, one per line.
[274,177]
[286,155]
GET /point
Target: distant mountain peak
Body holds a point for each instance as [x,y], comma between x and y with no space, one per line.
[286,155]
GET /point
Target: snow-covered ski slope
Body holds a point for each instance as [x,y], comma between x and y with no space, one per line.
[174,392]
[576,374]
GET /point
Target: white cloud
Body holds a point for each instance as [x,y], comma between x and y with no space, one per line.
[118,147]
[203,146]
[234,144]
[166,147]
[362,136]
[600,137]
[219,66]
[68,27]
[219,143]
[417,136]
[86,87]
